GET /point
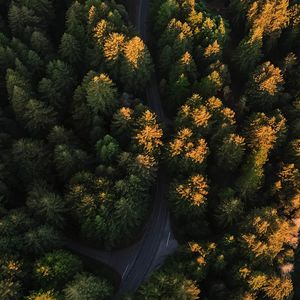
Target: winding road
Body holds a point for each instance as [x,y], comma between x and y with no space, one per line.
[134,264]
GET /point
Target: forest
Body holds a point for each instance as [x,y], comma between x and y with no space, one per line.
[84,151]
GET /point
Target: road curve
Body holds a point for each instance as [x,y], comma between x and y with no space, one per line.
[134,264]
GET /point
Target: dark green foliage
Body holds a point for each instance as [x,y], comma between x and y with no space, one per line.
[39,117]
[88,287]
[169,286]
[57,85]
[41,239]
[92,199]
[41,44]
[56,268]
[31,160]
[101,95]
[247,55]
[107,149]
[69,160]
[70,49]
[46,205]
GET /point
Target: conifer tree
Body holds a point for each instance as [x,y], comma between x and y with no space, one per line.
[136,67]
[70,49]
[264,87]
[87,286]
[102,95]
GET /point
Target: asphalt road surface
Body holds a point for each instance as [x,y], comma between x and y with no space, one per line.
[135,264]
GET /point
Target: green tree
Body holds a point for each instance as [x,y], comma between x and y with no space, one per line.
[102,95]
[31,160]
[229,211]
[263,135]
[75,20]
[169,286]
[46,205]
[59,135]
[107,150]
[42,239]
[165,60]
[39,116]
[88,287]
[41,44]
[178,90]
[70,49]
[13,227]
[131,203]
[20,18]
[69,160]
[56,268]
[167,10]
[57,85]
[247,55]
[231,151]
[19,100]
[122,122]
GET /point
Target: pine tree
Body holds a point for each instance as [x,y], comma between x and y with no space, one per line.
[70,49]
[102,95]
[75,20]
[189,197]
[107,150]
[20,18]
[188,152]
[263,135]
[266,235]
[167,10]
[265,86]
[229,211]
[41,44]
[86,286]
[169,286]
[55,269]
[46,205]
[230,152]
[39,117]
[30,159]
[19,101]
[69,160]
[42,239]
[122,122]
[247,55]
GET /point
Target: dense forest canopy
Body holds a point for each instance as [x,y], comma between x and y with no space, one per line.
[81,150]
